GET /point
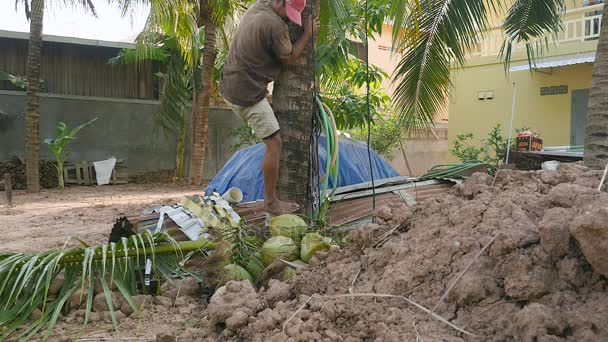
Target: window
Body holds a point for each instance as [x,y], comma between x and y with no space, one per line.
[358,50]
[389,48]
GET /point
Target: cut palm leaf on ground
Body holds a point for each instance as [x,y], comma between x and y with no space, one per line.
[27,279]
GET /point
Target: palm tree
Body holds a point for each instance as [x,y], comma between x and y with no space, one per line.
[596,134]
[435,33]
[200,113]
[32,116]
[34,10]
[186,20]
[341,21]
[177,87]
[293,104]
[212,16]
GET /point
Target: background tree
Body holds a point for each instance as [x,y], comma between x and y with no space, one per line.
[179,81]
[34,10]
[188,21]
[212,16]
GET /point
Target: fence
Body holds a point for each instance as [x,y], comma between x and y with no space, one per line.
[579,25]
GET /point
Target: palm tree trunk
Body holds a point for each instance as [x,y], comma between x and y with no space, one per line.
[596,134]
[179,162]
[32,116]
[293,105]
[200,117]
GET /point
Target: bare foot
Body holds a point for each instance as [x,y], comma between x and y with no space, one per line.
[279,207]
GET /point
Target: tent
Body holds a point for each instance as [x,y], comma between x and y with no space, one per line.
[244,169]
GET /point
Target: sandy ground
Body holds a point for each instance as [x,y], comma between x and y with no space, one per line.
[48,219]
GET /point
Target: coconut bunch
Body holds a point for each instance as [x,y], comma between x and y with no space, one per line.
[291,243]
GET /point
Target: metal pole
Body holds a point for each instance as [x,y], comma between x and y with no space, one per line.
[511,123]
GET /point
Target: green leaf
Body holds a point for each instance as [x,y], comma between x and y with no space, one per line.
[16,81]
[527,20]
[108,294]
[57,310]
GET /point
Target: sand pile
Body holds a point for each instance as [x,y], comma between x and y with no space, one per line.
[539,242]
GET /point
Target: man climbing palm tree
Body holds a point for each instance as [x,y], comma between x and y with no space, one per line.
[259,49]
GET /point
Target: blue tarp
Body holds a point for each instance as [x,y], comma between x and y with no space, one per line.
[244,169]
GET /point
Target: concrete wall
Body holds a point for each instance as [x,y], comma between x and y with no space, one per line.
[423,151]
[124,129]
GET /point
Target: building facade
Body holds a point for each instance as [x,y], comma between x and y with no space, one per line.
[552,93]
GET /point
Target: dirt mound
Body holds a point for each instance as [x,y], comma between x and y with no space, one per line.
[523,259]
[16,167]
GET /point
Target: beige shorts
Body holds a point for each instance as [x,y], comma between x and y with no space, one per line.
[260,116]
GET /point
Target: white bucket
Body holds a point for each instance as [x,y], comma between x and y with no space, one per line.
[233,196]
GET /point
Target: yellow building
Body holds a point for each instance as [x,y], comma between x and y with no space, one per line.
[551,98]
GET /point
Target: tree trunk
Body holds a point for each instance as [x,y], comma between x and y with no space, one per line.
[293,106]
[179,161]
[32,116]
[596,134]
[200,117]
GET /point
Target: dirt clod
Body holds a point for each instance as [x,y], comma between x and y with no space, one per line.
[166,337]
[590,230]
[100,303]
[238,297]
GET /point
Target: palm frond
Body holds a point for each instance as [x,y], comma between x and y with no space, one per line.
[25,278]
[221,10]
[87,5]
[528,20]
[244,241]
[141,53]
[332,12]
[431,33]
[175,17]
[176,95]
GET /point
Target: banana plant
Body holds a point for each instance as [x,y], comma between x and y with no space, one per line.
[58,146]
[25,278]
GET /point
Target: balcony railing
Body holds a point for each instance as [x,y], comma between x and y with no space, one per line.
[579,25]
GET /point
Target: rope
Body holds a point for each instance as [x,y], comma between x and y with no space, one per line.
[315,191]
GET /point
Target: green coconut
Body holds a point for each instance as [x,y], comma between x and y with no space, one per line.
[255,267]
[236,272]
[290,225]
[279,247]
[290,272]
[311,244]
[218,293]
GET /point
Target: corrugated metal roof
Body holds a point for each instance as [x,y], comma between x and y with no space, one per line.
[347,211]
[68,40]
[351,210]
[557,61]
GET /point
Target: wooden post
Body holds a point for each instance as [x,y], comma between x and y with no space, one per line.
[79,174]
[8,188]
[85,172]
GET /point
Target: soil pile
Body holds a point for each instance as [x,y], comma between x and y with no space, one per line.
[535,241]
